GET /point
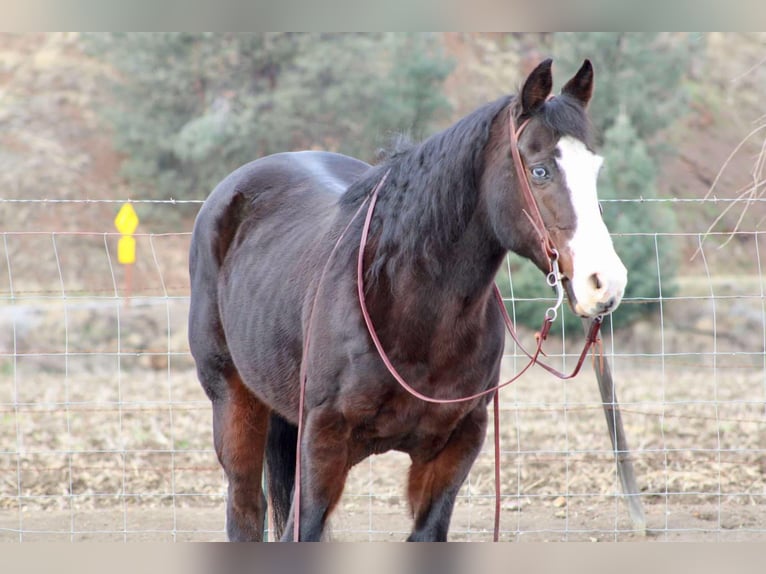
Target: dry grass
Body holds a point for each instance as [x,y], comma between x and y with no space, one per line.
[696,436]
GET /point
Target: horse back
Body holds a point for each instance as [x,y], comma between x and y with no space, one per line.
[267,186]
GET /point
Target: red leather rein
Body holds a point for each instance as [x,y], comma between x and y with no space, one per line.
[532,212]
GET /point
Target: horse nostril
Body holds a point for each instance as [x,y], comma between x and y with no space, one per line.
[596,282]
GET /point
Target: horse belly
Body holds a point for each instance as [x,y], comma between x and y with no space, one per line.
[261,302]
[421,434]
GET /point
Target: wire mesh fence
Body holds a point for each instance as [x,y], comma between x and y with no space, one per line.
[105,433]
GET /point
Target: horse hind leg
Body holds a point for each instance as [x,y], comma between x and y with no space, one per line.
[240,423]
[240,420]
[280,469]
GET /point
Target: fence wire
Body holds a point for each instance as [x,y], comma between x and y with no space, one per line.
[105,433]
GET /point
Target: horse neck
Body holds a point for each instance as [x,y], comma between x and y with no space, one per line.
[463,276]
[459,254]
[421,313]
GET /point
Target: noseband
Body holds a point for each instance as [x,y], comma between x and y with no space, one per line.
[532,212]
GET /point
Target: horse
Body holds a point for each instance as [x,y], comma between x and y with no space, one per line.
[273,262]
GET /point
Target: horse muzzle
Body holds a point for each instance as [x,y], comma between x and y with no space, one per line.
[597,293]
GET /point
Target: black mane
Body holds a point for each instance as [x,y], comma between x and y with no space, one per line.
[431,190]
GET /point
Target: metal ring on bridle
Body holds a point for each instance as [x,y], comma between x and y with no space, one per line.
[551,279]
[553,276]
[554,280]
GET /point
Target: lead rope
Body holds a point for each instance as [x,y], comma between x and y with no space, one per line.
[303,373]
[387,362]
[496,433]
[553,279]
[591,339]
[550,315]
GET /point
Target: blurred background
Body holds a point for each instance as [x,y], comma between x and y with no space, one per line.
[104,432]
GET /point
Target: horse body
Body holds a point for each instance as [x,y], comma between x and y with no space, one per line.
[268,289]
[438,339]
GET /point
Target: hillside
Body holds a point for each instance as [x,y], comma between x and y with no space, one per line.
[53,144]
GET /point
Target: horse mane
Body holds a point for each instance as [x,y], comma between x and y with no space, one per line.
[431,191]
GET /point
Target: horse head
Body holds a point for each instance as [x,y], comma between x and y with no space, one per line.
[559,217]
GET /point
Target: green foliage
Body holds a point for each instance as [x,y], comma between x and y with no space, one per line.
[639,91]
[638,73]
[629,173]
[188,108]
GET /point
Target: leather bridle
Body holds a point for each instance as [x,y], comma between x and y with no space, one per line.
[532,212]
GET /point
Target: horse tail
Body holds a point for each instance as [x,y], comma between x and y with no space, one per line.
[281,446]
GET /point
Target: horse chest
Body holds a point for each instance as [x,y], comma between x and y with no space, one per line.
[406,423]
[383,415]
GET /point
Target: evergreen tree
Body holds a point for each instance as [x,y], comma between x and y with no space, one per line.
[629,173]
[188,108]
[640,74]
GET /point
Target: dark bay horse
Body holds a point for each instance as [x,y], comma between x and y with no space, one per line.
[449,211]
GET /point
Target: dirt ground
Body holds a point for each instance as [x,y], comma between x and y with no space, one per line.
[141,468]
[585,523]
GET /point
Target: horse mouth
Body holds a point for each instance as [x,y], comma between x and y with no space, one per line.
[571,298]
[604,308]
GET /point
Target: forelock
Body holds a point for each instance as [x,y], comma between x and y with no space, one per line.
[565,116]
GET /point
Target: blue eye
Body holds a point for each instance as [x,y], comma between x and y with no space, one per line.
[540,172]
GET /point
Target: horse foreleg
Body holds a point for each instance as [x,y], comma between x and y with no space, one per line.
[325,466]
[434,483]
[240,422]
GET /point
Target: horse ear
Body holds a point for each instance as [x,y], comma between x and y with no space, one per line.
[537,87]
[580,86]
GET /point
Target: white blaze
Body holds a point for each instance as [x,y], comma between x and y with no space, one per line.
[599,275]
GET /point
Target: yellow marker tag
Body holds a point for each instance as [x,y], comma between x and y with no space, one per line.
[126,250]
[126,220]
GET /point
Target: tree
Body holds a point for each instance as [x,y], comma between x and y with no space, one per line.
[639,92]
[187,108]
[629,173]
[640,74]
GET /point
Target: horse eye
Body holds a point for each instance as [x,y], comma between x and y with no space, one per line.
[540,172]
